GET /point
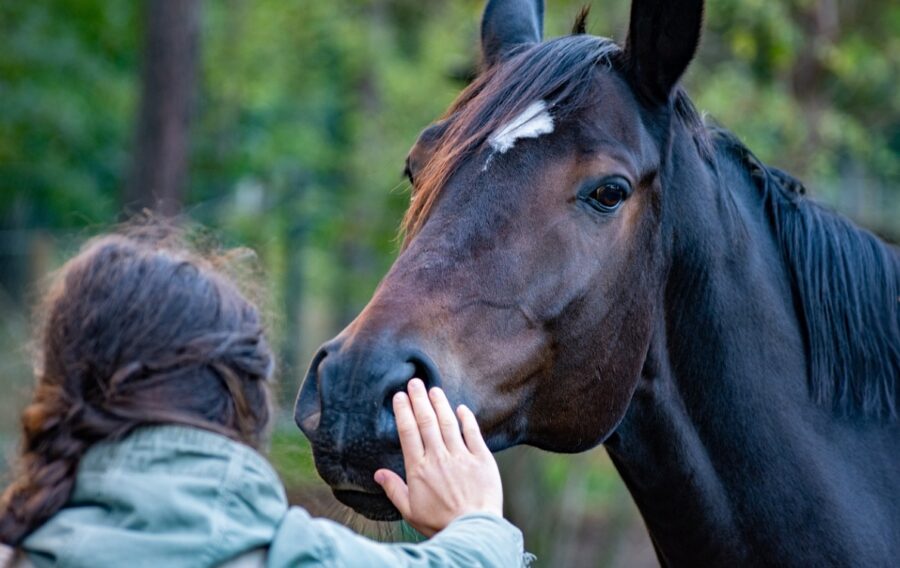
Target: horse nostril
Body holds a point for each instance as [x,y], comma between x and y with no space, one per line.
[417,366]
[425,369]
[308,409]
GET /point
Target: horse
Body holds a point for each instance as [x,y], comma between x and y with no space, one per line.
[586,261]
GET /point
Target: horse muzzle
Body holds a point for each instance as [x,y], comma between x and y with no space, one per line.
[345,409]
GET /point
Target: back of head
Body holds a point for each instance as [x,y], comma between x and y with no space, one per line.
[136,331]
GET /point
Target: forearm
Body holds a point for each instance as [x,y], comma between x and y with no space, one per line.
[499,543]
[472,540]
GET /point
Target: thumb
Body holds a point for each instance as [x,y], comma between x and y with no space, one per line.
[395,488]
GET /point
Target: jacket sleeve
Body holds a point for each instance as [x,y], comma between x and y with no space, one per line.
[481,540]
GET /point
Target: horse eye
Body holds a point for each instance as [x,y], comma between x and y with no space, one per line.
[407,172]
[609,195]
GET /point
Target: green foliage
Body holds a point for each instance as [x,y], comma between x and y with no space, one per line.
[66,102]
[810,86]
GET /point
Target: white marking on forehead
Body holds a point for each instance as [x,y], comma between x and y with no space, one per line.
[531,123]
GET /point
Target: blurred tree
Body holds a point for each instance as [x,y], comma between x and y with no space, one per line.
[66,103]
[159,167]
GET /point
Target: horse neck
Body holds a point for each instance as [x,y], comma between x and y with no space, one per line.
[724,382]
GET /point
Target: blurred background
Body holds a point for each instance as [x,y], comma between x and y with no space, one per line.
[283,126]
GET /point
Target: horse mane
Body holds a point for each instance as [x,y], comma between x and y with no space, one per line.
[846,285]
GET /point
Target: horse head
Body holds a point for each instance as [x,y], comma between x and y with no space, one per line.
[534,254]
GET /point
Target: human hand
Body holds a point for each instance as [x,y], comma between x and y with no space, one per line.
[448,474]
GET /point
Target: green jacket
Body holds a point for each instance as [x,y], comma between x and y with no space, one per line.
[172,496]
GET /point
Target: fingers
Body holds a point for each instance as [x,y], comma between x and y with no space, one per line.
[407,429]
[395,489]
[474,440]
[425,417]
[446,420]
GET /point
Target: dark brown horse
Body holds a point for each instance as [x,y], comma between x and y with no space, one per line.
[586,262]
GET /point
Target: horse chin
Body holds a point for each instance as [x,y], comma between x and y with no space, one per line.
[373,506]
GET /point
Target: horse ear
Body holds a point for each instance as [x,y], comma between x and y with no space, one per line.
[507,24]
[662,38]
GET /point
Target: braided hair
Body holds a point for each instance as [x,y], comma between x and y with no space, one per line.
[135,332]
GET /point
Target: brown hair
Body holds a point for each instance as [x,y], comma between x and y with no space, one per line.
[136,331]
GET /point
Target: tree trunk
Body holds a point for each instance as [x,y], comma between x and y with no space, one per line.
[159,170]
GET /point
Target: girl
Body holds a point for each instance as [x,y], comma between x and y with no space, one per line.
[153,395]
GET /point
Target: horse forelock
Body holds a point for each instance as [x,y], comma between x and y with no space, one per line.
[558,72]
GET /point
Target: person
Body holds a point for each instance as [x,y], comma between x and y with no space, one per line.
[140,446]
